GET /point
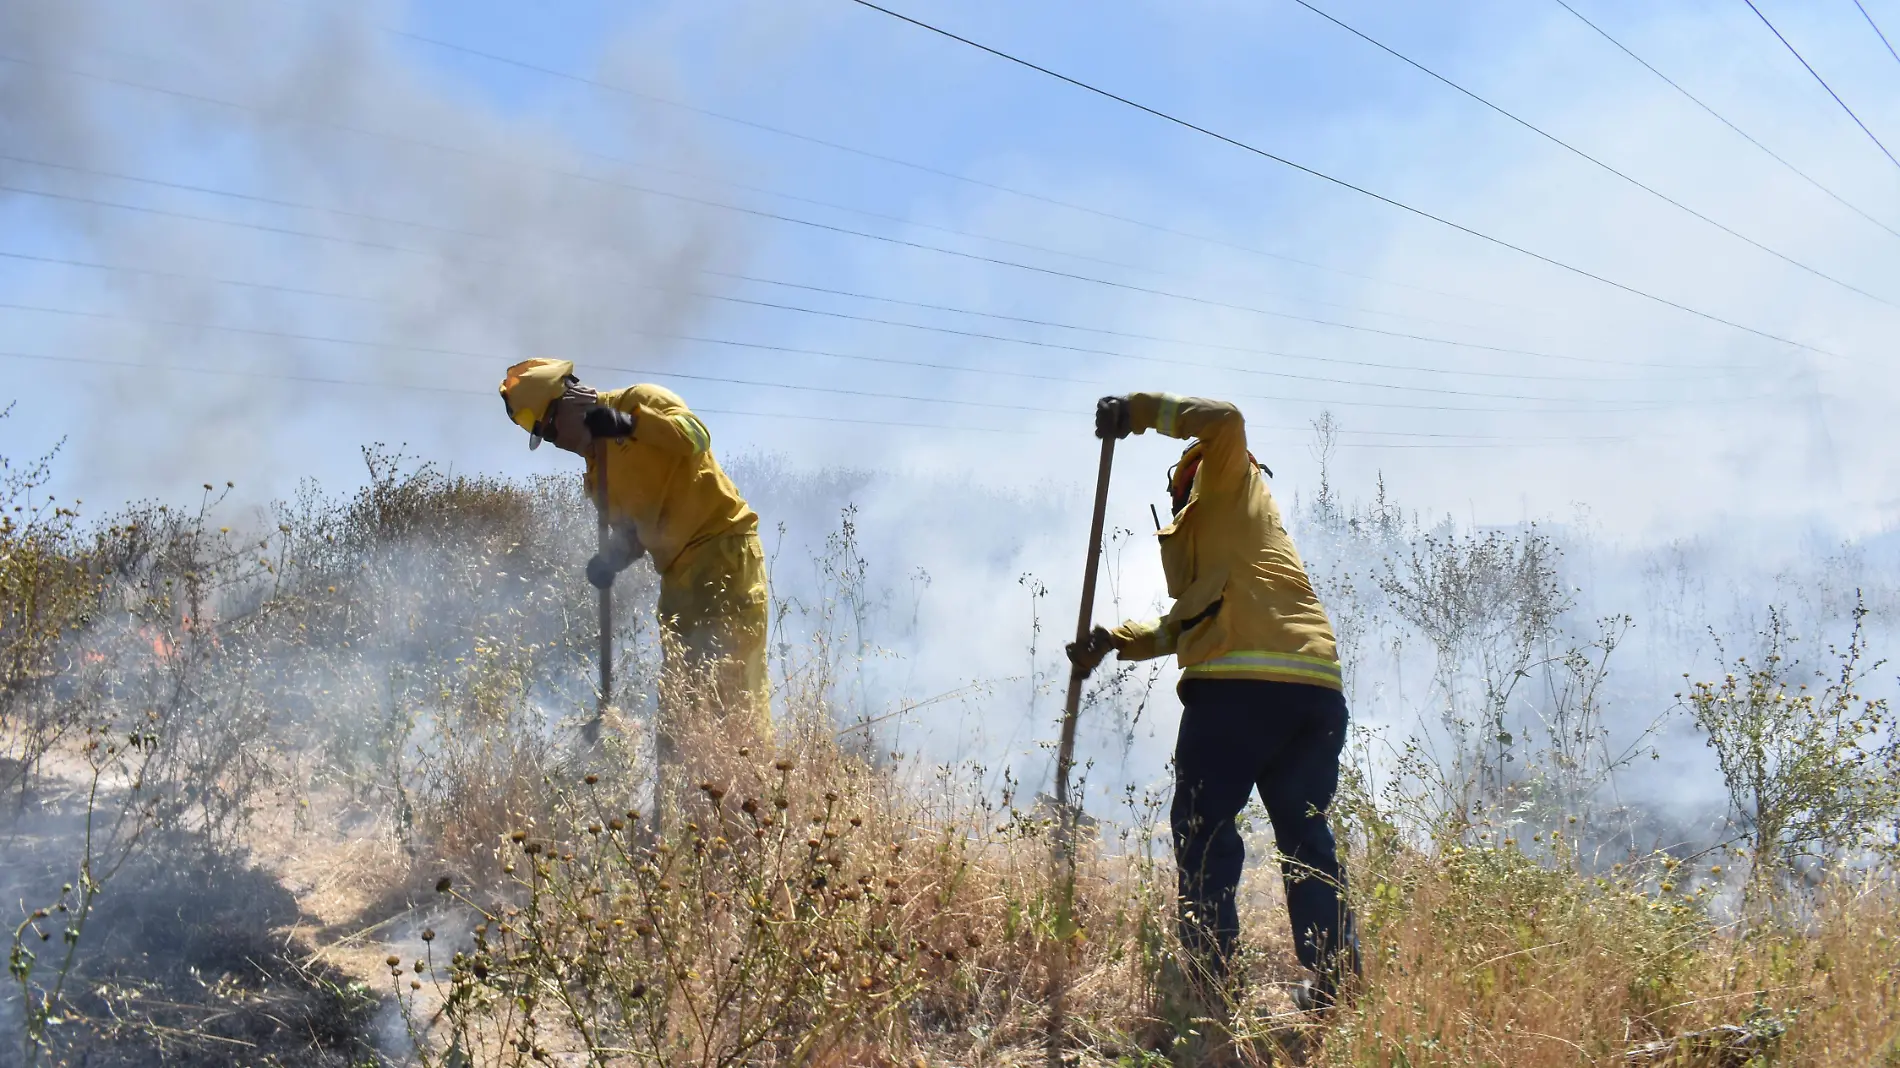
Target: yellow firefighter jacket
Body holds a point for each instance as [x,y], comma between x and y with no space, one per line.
[1243,606]
[663,481]
[704,540]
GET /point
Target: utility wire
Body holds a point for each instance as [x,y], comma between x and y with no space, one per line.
[910,165]
[502,357]
[1744,134]
[384,387]
[762,190]
[121,269]
[1084,349]
[1344,184]
[782,218]
[1817,77]
[1581,154]
[1628,407]
[1153,337]
[1508,441]
[278,202]
[499,358]
[1025,245]
[1877,32]
[392,247]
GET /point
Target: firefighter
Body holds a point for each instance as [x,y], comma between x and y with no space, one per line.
[667,498]
[1262,707]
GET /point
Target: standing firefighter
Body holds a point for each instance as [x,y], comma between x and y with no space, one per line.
[666,495]
[1260,690]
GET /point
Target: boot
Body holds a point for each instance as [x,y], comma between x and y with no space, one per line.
[1196,1010]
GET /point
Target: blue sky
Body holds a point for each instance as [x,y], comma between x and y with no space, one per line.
[1652,419]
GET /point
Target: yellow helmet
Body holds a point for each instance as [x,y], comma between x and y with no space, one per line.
[531,388]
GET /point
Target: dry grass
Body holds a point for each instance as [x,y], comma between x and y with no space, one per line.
[382,694]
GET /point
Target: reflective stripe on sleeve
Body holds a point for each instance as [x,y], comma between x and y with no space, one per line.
[1165,636]
[1168,414]
[694,430]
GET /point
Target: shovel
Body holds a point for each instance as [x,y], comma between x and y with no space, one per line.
[1065,760]
[590,733]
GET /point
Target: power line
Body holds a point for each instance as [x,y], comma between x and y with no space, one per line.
[1877,31]
[776,217]
[1629,407]
[302,206]
[1509,442]
[1029,246]
[362,343]
[1344,184]
[1581,154]
[383,246]
[919,167]
[92,265]
[500,358]
[384,387]
[1083,349]
[1152,337]
[1817,77]
[1744,134]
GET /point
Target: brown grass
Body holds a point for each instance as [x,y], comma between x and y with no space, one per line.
[409,662]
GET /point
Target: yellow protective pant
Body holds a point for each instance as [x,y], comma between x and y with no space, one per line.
[713,616]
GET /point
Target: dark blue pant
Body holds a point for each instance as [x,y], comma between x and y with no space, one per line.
[1284,739]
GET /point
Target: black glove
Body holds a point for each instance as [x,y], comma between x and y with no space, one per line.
[601,571]
[1112,417]
[622,550]
[1087,654]
[605,422]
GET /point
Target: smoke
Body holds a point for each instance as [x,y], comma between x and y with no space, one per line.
[408,195]
[394,228]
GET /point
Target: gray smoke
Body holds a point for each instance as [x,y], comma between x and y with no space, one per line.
[510,236]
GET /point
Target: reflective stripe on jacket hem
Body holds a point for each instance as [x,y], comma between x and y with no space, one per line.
[1291,667]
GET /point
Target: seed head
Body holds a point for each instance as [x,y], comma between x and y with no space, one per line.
[393,961]
[518,836]
[591,780]
[783,765]
[443,884]
[428,934]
